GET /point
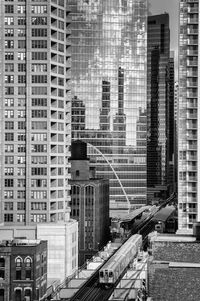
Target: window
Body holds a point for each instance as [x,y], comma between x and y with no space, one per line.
[39,102]
[9,56]
[39,125]
[39,32]
[8,206]
[9,32]
[36,171]
[8,171]
[9,90]
[8,182]
[2,273]
[39,113]
[20,217]
[39,159]
[21,137]
[9,125]
[21,171]
[21,126]
[9,160]
[9,43]
[39,90]
[21,32]
[9,114]
[39,44]
[39,67]
[22,68]
[21,79]
[9,148]
[39,9]
[39,55]
[38,206]
[9,79]
[38,218]
[21,9]
[21,148]
[38,194]
[8,217]
[21,102]
[9,9]
[21,183]
[9,21]
[21,113]
[21,21]
[39,183]
[18,266]
[9,67]
[21,194]
[21,44]
[21,90]
[39,137]
[39,148]
[39,79]
[8,194]
[21,56]
[39,21]
[9,102]
[21,159]
[21,206]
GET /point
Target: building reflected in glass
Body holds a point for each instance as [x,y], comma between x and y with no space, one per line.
[108,91]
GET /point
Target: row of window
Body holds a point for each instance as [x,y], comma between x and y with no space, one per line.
[36,218]
[21,9]
[21,102]
[21,206]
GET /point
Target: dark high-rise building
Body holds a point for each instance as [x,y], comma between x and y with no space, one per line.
[108,74]
[89,203]
[158,41]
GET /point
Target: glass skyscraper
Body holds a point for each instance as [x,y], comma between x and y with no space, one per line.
[188,119]
[108,91]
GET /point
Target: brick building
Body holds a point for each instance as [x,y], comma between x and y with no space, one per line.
[89,203]
[174,268]
[23,270]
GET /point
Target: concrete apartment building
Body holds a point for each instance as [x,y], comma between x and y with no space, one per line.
[35,121]
[188,116]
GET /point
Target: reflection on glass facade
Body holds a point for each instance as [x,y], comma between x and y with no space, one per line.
[158,99]
[188,123]
[108,86]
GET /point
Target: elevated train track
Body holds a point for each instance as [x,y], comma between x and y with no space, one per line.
[91,290]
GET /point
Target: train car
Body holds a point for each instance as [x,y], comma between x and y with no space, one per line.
[114,267]
[165,220]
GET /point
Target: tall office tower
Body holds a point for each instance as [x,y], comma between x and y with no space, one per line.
[188,129]
[35,112]
[171,178]
[108,74]
[158,40]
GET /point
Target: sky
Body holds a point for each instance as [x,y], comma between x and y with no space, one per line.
[171,7]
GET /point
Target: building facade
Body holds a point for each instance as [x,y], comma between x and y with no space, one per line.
[108,78]
[188,115]
[35,112]
[89,203]
[23,270]
[158,70]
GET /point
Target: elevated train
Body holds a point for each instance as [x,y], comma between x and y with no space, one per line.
[115,266]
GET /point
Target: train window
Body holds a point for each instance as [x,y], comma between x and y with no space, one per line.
[110,274]
[101,273]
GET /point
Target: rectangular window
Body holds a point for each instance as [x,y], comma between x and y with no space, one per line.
[9,9]
[8,194]
[8,182]
[9,79]
[21,137]
[39,102]
[21,21]
[9,21]
[21,194]
[21,183]
[21,206]
[39,55]
[21,56]
[9,44]
[21,9]
[21,79]
[21,219]
[22,68]
[39,9]
[8,206]
[21,44]
[21,90]
[38,206]
[9,90]
[39,20]
[8,171]
[39,44]
[38,218]
[39,125]
[9,113]
[39,67]
[9,148]
[39,148]
[9,125]
[21,102]
[39,32]
[21,171]
[21,125]
[9,67]
[39,113]
[9,102]
[9,56]
[39,171]
[21,148]
[8,217]
[39,79]
[9,32]
[21,32]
